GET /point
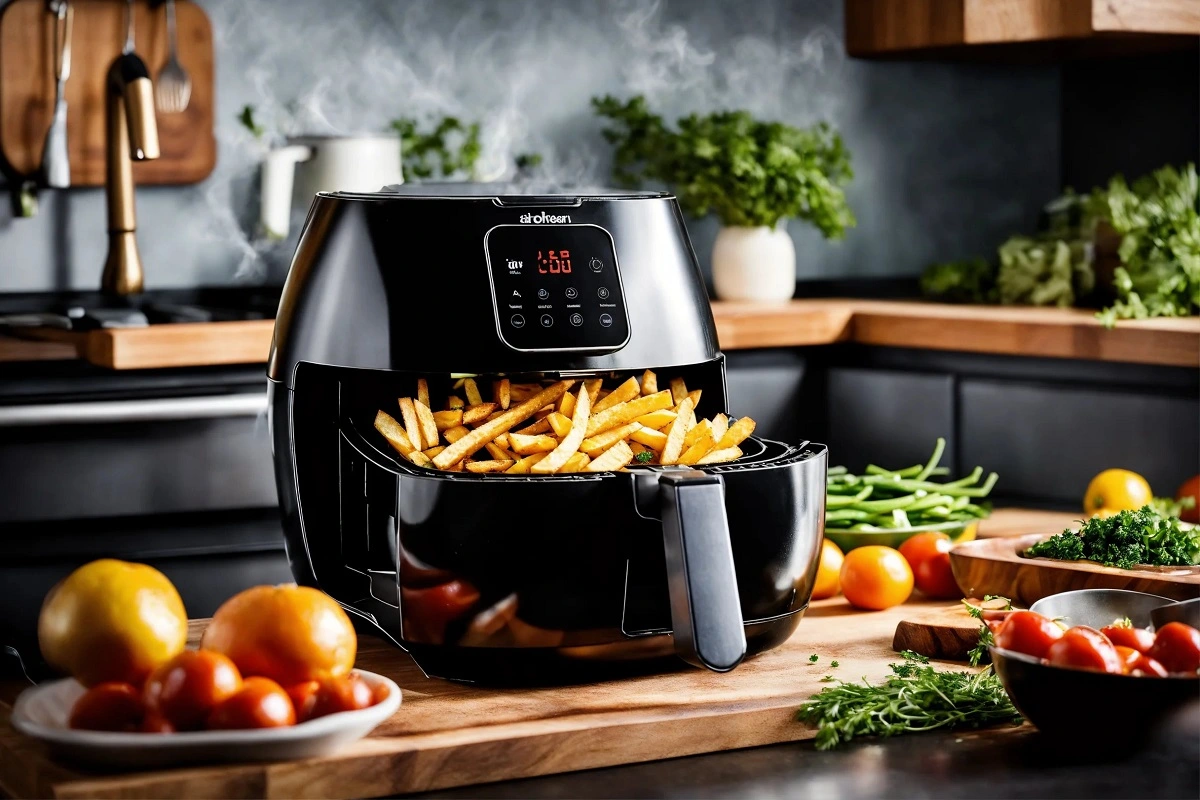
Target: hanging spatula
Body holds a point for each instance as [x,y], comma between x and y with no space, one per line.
[56,164]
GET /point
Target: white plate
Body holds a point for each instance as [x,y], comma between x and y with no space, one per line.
[41,712]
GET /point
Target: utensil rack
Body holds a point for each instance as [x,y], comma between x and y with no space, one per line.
[189,148]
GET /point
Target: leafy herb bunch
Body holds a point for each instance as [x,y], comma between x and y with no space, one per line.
[1125,540]
[748,172]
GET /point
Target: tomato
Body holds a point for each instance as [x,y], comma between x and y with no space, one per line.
[876,577]
[1116,490]
[156,723]
[1190,488]
[428,611]
[929,556]
[303,697]
[1085,648]
[828,582]
[1028,632]
[184,689]
[1145,665]
[260,703]
[1139,639]
[1129,657]
[342,694]
[1177,647]
[380,693]
[108,706]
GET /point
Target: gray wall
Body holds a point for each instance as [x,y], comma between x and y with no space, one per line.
[950,158]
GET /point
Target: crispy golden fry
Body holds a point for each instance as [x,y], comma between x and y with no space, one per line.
[420,459]
[638,448]
[649,382]
[456,468]
[720,424]
[576,463]
[657,419]
[527,445]
[566,406]
[523,466]
[601,442]
[626,391]
[544,412]
[458,383]
[679,390]
[674,446]
[393,431]
[694,433]
[454,434]
[471,390]
[490,430]
[613,459]
[568,447]
[499,453]
[429,428]
[560,423]
[502,440]
[626,412]
[423,391]
[655,440]
[698,450]
[477,413]
[444,420]
[433,451]
[718,456]
[454,401]
[593,386]
[695,395]
[412,425]
[489,466]
[502,392]
[541,426]
[736,434]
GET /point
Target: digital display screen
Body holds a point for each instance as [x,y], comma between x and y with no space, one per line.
[556,287]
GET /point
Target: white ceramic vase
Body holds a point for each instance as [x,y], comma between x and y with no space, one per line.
[754,264]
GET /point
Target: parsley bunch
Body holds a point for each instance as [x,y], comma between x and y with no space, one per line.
[915,698]
[747,171]
[1125,540]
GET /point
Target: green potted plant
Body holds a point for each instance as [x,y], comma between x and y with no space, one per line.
[754,175]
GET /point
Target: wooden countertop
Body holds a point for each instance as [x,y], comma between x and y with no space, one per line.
[1002,330]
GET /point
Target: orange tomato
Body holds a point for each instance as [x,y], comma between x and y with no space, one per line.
[348,693]
[876,577]
[110,706]
[1116,490]
[156,723]
[184,690]
[929,556]
[304,698]
[829,573]
[1190,488]
[1129,657]
[287,633]
[260,703]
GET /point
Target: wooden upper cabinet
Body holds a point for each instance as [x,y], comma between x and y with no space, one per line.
[877,28]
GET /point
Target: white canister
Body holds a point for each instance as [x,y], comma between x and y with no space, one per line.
[754,264]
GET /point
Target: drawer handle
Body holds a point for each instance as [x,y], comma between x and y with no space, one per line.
[150,410]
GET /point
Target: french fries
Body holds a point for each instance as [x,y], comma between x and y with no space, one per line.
[545,428]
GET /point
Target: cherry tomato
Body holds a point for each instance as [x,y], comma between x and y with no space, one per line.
[1139,639]
[260,703]
[929,556]
[156,723]
[828,582]
[185,689]
[1145,665]
[108,706]
[1177,647]
[1085,648]
[1129,657]
[876,577]
[1028,632]
[304,697]
[349,693]
[1190,488]
[380,693]
[428,611]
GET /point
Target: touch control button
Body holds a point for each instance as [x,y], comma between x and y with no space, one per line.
[596,264]
[547,320]
[517,321]
[572,293]
[602,292]
[576,320]
[543,294]
[606,320]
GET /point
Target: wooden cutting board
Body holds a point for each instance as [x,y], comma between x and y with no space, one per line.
[993,566]
[945,632]
[447,734]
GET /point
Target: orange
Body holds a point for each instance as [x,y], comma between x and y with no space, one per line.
[1116,490]
[112,621]
[828,581]
[876,577]
[288,633]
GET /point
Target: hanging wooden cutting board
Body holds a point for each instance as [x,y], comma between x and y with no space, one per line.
[189,148]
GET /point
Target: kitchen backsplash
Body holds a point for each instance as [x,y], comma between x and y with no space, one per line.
[949,158]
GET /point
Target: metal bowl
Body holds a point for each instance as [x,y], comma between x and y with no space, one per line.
[1099,607]
[1185,611]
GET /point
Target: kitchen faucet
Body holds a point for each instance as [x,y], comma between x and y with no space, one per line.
[131,133]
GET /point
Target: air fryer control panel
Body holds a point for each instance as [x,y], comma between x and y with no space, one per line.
[556,287]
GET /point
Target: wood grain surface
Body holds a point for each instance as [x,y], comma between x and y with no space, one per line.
[189,148]
[946,632]
[448,734]
[994,566]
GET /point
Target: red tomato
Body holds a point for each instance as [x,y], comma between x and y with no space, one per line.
[1028,632]
[427,612]
[1139,639]
[1129,657]
[185,689]
[1085,648]
[1190,488]
[929,556]
[1177,647]
[304,697]
[260,703]
[108,706]
[156,723]
[341,694]
[1145,665]
[380,693]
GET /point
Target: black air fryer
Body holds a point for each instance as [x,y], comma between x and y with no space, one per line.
[524,578]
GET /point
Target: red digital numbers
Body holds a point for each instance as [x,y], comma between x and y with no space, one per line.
[555,262]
